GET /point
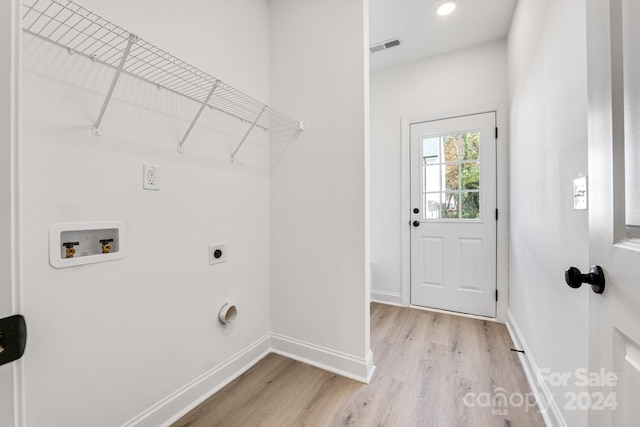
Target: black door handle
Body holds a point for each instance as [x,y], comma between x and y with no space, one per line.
[416,223]
[595,278]
[13,338]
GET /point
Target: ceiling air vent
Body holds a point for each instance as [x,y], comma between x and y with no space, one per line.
[384,45]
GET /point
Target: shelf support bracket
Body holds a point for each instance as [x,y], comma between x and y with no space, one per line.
[132,39]
[244,138]
[195,119]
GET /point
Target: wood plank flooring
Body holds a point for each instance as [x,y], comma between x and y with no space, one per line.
[433,369]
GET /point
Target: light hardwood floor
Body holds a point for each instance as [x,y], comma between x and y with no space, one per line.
[433,369]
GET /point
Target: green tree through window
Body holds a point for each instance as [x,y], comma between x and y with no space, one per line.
[462,175]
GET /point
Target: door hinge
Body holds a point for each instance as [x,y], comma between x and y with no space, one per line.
[496,295]
[496,132]
[496,214]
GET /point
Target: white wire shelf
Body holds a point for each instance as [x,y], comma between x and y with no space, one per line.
[81,31]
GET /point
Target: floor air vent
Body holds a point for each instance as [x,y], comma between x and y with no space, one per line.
[384,45]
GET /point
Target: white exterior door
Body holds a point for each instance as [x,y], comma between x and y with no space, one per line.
[614,211]
[453,214]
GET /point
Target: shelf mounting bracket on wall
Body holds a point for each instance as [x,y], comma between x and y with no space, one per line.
[132,39]
[253,124]
[195,119]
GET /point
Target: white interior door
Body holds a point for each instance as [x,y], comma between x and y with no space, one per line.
[453,214]
[614,210]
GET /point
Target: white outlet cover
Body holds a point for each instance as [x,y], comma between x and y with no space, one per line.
[151,177]
[212,254]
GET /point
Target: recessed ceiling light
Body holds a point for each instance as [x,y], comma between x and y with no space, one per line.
[446,8]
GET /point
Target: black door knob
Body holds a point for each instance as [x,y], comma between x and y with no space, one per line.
[416,223]
[416,210]
[595,278]
[13,338]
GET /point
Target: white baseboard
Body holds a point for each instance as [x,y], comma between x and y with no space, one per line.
[169,410]
[546,403]
[175,406]
[324,358]
[384,297]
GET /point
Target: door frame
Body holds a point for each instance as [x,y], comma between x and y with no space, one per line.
[502,196]
[10,72]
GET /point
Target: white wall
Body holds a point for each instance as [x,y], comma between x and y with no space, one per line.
[450,83]
[548,94]
[107,341]
[319,290]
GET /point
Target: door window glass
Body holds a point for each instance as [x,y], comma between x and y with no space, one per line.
[451,176]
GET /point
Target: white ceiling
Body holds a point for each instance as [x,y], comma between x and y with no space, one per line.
[424,34]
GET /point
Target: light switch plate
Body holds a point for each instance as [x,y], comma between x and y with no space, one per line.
[580,194]
[151,177]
